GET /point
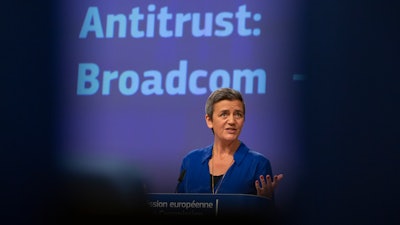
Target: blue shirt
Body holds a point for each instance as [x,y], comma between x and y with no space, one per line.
[239,179]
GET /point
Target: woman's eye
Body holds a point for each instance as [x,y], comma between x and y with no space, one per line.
[238,115]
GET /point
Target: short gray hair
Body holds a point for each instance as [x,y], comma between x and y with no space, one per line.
[222,94]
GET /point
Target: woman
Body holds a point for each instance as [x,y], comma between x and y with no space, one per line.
[227,165]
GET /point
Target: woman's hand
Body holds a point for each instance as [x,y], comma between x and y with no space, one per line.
[267,186]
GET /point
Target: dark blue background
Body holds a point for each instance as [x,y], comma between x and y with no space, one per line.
[154,132]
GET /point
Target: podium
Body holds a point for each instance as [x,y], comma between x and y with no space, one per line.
[187,204]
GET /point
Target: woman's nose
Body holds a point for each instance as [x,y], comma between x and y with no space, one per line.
[231,118]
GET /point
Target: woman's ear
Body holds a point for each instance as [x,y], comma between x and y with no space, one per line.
[209,121]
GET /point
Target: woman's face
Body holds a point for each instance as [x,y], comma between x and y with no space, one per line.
[227,120]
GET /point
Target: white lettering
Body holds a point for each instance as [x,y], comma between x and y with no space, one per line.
[123,86]
[150,23]
[87,75]
[92,23]
[178,75]
[177,82]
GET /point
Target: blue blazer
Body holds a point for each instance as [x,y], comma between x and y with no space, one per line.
[239,179]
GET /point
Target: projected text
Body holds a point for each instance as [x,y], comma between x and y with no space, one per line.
[177,82]
[140,24]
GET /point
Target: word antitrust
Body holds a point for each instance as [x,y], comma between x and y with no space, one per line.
[165,24]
